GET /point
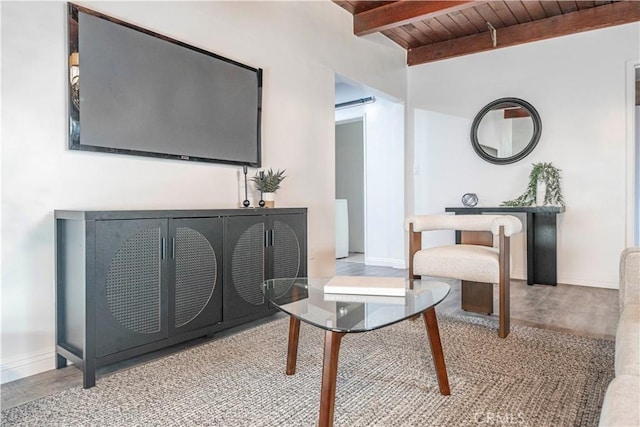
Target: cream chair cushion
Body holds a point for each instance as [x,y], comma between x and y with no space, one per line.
[464,262]
[511,224]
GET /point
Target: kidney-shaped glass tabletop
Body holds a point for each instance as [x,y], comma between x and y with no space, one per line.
[305,299]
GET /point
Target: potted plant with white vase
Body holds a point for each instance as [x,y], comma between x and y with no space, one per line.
[543,190]
[268,183]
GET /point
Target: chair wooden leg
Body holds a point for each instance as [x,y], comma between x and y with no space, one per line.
[477,296]
[505,311]
[504,285]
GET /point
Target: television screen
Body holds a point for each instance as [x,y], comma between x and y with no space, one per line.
[133,91]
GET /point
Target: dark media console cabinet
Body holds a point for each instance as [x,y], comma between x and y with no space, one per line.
[132,282]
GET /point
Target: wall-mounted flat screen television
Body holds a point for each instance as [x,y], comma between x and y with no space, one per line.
[133,91]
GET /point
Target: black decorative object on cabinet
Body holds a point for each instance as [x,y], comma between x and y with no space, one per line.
[132,282]
[246,201]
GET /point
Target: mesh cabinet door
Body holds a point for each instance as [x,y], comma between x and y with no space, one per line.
[288,254]
[130,297]
[287,249]
[244,245]
[196,292]
[259,248]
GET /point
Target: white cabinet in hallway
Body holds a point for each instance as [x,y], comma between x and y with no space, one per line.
[342,228]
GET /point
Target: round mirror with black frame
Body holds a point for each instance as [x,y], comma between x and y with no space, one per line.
[506,130]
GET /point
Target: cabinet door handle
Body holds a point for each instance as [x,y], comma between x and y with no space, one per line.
[268,238]
[173,248]
[163,248]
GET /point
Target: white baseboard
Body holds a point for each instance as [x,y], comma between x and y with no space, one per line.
[26,365]
[572,280]
[518,275]
[385,262]
[583,281]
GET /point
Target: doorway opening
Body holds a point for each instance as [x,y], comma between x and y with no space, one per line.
[370,174]
[350,206]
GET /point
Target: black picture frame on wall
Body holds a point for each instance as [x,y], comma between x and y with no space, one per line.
[523,109]
[133,91]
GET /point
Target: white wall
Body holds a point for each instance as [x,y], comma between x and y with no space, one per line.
[577,84]
[300,46]
[433,134]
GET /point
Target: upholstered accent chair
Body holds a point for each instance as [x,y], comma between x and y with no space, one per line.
[476,261]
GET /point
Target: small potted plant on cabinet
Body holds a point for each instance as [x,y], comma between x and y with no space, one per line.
[268,183]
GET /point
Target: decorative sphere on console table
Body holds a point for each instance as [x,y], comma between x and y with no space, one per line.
[469,200]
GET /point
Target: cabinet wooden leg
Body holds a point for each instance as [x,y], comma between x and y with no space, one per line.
[292,351]
[329,375]
[433,332]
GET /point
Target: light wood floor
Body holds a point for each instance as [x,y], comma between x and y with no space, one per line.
[579,310]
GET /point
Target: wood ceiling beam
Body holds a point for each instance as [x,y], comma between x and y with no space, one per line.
[608,15]
[515,113]
[400,13]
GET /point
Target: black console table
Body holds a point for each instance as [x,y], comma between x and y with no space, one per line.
[541,238]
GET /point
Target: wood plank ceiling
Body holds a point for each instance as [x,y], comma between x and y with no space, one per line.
[435,30]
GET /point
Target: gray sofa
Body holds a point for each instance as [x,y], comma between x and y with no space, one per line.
[621,406]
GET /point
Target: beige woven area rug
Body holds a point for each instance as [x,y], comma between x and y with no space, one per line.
[385,378]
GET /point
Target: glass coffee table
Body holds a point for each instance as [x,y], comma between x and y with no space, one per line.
[304,300]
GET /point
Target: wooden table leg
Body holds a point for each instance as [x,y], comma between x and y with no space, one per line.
[292,350]
[329,375]
[431,323]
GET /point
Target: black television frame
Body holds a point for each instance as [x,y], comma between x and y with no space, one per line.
[74,113]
